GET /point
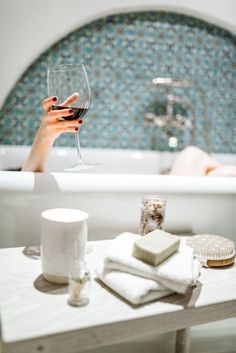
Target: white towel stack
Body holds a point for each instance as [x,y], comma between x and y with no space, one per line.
[139,282]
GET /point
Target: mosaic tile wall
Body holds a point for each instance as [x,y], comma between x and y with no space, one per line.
[123,53]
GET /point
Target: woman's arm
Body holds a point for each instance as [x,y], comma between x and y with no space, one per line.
[52,126]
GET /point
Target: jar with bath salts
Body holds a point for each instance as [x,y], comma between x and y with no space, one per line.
[152,214]
[79,284]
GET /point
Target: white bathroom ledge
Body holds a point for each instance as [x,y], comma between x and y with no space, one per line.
[35,315]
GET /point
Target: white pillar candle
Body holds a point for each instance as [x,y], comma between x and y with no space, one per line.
[63,240]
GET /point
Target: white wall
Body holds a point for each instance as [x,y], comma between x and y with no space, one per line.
[28,27]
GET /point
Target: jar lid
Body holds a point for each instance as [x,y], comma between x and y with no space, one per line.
[156,198]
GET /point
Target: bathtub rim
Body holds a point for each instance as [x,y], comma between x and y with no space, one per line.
[62,182]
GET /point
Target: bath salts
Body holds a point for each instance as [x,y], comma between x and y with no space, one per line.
[152,214]
[79,285]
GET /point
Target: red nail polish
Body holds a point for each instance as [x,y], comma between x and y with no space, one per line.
[54,99]
[76,128]
[80,121]
[71,111]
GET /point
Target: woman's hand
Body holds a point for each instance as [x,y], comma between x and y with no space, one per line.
[53,125]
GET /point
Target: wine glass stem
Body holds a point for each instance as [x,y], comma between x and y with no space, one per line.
[78,148]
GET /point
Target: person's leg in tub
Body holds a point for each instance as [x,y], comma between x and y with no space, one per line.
[194,161]
[51,127]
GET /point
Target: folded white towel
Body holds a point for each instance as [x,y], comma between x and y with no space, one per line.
[177,273]
[135,289]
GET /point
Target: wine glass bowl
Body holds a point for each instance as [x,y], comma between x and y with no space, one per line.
[70,84]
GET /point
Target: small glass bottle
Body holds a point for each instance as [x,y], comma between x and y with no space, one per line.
[79,284]
[152,214]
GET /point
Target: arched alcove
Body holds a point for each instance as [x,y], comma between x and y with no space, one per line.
[123,53]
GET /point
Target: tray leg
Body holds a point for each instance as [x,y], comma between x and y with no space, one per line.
[182,341]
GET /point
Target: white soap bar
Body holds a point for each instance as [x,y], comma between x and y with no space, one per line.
[155,247]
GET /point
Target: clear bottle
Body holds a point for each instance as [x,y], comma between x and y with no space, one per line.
[79,284]
[152,214]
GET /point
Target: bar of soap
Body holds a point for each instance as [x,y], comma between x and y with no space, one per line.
[155,247]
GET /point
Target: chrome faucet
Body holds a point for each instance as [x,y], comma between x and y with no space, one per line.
[169,120]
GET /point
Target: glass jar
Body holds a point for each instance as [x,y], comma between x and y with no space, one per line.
[152,214]
[79,285]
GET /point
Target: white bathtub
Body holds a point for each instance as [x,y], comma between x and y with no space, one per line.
[111,194]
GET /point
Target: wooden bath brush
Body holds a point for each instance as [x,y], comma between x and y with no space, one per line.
[212,250]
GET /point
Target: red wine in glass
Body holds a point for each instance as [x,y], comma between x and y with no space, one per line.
[79,112]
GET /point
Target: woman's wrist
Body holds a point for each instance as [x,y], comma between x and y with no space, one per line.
[44,137]
[39,154]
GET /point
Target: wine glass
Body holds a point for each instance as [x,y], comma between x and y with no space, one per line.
[63,81]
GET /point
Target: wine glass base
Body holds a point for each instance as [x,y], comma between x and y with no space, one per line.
[82,166]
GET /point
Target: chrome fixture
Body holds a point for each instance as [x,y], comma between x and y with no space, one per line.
[169,82]
[170,120]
